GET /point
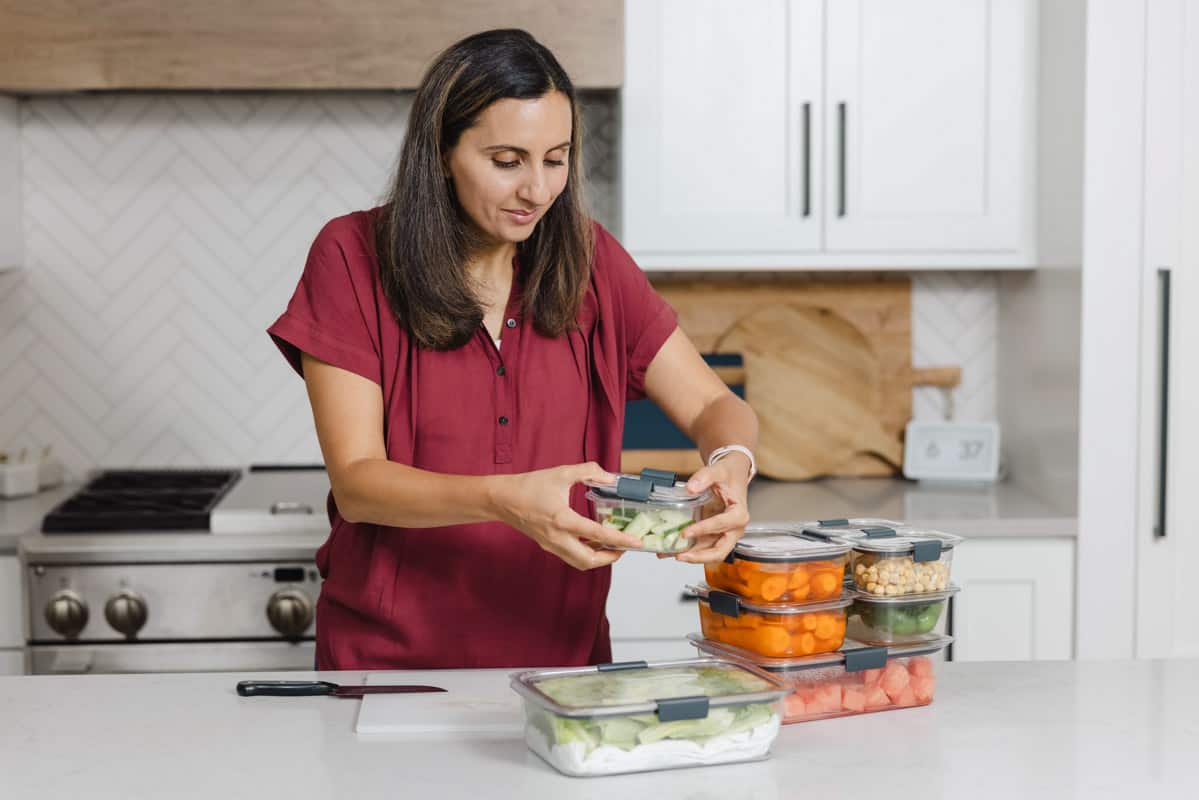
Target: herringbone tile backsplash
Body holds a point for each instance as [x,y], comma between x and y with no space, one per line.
[164,233]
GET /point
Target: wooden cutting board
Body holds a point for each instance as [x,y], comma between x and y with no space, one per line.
[880,309]
[815,382]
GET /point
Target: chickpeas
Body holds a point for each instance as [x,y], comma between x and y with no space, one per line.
[898,575]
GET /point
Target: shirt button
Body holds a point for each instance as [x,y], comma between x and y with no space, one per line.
[499,370]
[503,420]
[511,323]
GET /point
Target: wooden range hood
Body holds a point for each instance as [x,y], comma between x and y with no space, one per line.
[74,45]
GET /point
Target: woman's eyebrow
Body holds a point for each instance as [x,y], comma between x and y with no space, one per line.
[495,148]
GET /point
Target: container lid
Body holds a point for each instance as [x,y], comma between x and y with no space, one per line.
[783,544]
[651,486]
[731,605]
[904,599]
[673,690]
[855,656]
[922,543]
[848,527]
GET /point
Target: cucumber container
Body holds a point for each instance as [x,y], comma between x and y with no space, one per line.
[639,716]
[653,506]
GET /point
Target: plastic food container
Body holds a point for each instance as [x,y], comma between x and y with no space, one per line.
[856,680]
[639,716]
[776,630]
[652,506]
[778,565]
[890,561]
[895,620]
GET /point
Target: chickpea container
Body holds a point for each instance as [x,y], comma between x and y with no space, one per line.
[858,679]
[776,630]
[889,561]
[777,564]
[898,620]
[653,506]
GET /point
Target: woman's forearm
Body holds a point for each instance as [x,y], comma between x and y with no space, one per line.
[384,492]
[726,420]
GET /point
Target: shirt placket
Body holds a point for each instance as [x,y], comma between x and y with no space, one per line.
[505,390]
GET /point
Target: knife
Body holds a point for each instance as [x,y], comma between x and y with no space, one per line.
[307,688]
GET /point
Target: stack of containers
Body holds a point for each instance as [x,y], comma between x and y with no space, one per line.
[900,578]
[882,584]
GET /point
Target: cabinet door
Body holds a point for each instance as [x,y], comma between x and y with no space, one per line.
[1017,600]
[721,131]
[1168,518]
[928,120]
[10,185]
[647,601]
[11,604]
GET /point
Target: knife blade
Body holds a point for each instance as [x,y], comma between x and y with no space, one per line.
[310,688]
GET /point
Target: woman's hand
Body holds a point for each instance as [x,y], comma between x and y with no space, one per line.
[716,536]
[538,505]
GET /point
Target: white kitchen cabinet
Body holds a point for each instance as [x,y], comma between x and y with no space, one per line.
[646,602]
[1016,601]
[11,248]
[817,134]
[12,628]
[1139,453]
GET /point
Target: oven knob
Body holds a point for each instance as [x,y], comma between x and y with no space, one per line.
[66,613]
[126,612]
[290,612]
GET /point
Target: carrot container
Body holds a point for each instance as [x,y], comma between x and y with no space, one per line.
[856,680]
[776,630]
[780,565]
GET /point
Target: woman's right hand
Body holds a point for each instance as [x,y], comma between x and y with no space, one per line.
[538,505]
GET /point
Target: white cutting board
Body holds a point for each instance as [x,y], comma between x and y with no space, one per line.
[476,703]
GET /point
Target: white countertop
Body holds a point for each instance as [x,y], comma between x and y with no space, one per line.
[1000,510]
[1035,729]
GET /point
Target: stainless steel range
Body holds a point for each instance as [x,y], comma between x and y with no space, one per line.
[177,570]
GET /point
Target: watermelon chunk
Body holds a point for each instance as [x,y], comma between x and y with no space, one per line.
[853,699]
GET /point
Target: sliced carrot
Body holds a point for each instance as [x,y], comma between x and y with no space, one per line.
[771,640]
[799,577]
[825,584]
[809,621]
[773,587]
[826,627]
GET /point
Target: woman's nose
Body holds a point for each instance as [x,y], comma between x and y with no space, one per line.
[536,190]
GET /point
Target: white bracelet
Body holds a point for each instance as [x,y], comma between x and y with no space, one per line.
[721,452]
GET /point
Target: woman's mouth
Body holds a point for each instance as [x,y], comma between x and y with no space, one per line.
[520,217]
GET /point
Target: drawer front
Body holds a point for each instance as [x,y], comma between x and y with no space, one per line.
[647,601]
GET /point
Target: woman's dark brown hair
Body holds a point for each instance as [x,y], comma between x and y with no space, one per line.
[425,239]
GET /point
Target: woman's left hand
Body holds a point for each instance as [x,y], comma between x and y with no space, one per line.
[715,537]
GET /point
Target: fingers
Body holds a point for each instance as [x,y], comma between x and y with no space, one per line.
[581,555]
[733,517]
[700,480]
[569,522]
[711,549]
[590,471]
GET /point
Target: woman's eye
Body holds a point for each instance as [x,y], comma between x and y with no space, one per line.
[505,164]
[555,163]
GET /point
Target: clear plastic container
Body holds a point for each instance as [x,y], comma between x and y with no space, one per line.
[652,506]
[857,680]
[896,620]
[777,630]
[776,564]
[895,559]
[640,716]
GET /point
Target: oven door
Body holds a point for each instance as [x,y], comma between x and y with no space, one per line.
[174,657]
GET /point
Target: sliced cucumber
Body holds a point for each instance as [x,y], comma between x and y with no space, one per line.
[652,542]
[674,517]
[670,541]
[641,524]
[614,523]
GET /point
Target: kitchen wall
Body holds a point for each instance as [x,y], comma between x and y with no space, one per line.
[163,233]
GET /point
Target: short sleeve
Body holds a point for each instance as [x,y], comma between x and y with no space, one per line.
[333,314]
[646,318]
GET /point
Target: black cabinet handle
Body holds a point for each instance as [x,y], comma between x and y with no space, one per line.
[841,156]
[807,159]
[1163,421]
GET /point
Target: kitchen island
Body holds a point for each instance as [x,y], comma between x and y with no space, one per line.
[1043,729]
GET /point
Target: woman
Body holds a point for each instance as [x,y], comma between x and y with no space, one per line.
[468,348]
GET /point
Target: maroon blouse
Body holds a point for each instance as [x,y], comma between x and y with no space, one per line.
[481,594]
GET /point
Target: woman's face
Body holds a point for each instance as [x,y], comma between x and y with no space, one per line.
[512,164]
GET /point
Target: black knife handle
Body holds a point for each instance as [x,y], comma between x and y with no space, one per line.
[284,688]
